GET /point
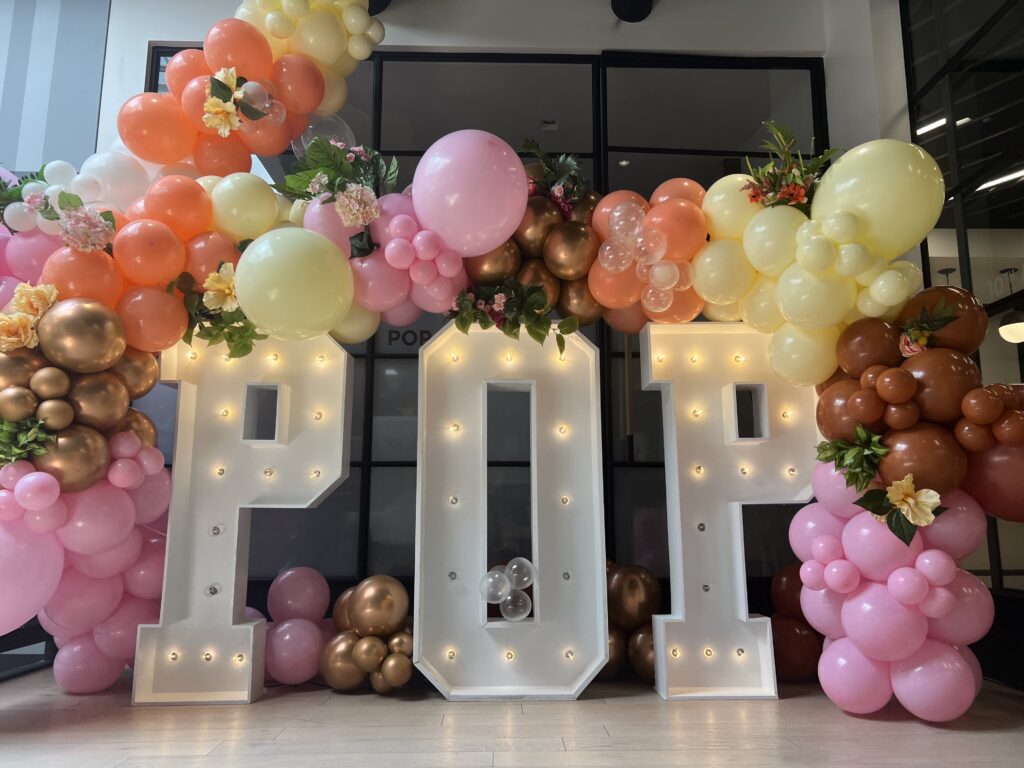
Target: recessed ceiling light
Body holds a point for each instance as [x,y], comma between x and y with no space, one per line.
[549,125]
[1008,177]
[623,163]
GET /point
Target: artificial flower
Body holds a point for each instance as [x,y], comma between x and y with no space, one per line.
[909,347]
[357,206]
[84,229]
[33,300]
[318,184]
[220,289]
[558,191]
[220,115]
[17,330]
[914,505]
[229,76]
[499,302]
[36,201]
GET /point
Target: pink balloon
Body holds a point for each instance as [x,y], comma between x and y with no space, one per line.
[28,251]
[907,585]
[159,525]
[37,491]
[939,603]
[115,635]
[293,651]
[960,529]
[853,682]
[60,642]
[842,576]
[124,445]
[81,602]
[8,284]
[831,491]
[812,575]
[808,524]
[391,205]
[422,272]
[936,566]
[52,626]
[31,565]
[972,614]
[152,498]
[880,626]
[934,683]
[427,302]
[145,577]
[399,253]
[404,314]
[10,509]
[298,593]
[974,664]
[324,220]
[151,459]
[81,667]
[379,286]
[125,473]
[403,227]
[103,565]
[46,520]
[428,245]
[10,474]
[826,549]
[822,608]
[470,189]
[874,549]
[98,518]
[449,264]
[252,613]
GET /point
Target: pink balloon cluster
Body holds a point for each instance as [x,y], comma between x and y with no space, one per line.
[897,618]
[297,601]
[22,257]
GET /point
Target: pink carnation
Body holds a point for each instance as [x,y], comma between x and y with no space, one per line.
[84,229]
[35,201]
[357,206]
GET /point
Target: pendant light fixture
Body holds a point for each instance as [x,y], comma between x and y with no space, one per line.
[1011,326]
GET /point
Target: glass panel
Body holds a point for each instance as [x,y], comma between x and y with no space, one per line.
[508,514]
[640,523]
[509,423]
[358,108]
[394,410]
[409,338]
[1011,547]
[642,172]
[1000,360]
[355,427]
[766,538]
[648,441]
[161,405]
[392,522]
[997,259]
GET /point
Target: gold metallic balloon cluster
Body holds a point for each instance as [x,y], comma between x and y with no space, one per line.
[78,383]
[634,594]
[375,637]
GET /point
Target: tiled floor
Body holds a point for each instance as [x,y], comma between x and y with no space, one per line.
[611,725]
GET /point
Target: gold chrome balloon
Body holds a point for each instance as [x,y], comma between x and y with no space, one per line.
[55,414]
[540,218]
[81,335]
[616,654]
[396,670]
[18,365]
[378,606]
[17,403]
[100,400]
[401,642]
[534,171]
[140,371]
[78,458]
[340,612]
[533,272]
[368,653]
[380,685]
[336,665]
[140,424]
[576,299]
[49,383]
[494,267]
[570,250]
[584,208]
[633,596]
[641,652]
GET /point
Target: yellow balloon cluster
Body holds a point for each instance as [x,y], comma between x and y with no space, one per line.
[804,279]
[335,34]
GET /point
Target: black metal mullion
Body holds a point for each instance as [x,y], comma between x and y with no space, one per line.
[684,151]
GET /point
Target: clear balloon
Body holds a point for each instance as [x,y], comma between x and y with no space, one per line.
[656,299]
[520,572]
[652,245]
[516,606]
[664,276]
[495,587]
[616,254]
[626,219]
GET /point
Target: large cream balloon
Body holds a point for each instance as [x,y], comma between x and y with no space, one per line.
[816,299]
[244,206]
[321,36]
[249,11]
[722,313]
[721,273]
[727,207]
[769,239]
[357,325]
[335,93]
[894,188]
[804,356]
[294,283]
[758,308]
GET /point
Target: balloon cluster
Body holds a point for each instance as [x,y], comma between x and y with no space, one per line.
[57,176]
[505,587]
[634,594]
[795,643]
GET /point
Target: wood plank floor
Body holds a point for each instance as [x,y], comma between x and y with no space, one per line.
[611,725]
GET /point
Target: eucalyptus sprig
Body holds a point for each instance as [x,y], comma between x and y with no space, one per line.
[23,439]
[786,179]
[215,326]
[858,460]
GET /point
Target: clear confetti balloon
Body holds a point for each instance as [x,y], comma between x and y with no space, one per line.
[652,244]
[664,275]
[655,299]
[516,606]
[329,127]
[520,572]
[643,271]
[685,281]
[616,254]
[494,587]
[626,219]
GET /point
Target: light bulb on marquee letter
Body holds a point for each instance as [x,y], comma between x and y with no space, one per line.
[567,520]
[713,466]
[217,654]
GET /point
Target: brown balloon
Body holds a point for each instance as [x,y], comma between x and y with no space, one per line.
[380,685]
[866,406]
[838,375]
[964,334]
[368,653]
[570,250]
[995,478]
[869,378]
[100,400]
[396,670]
[541,216]
[140,371]
[902,416]
[866,342]
[896,385]
[584,208]
[336,664]
[797,649]
[616,654]
[18,365]
[786,586]
[55,414]
[974,437]
[49,383]
[575,299]
[1006,393]
[81,335]
[17,403]
[640,651]
[78,458]
[943,376]
[982,406]
[401,642]
[378,606]
[927,451]
[1009,427]
[339,614]
[494,267]
[834,418]
[533,272]
[139,423]
[633,597]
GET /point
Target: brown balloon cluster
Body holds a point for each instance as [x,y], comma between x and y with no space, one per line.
[797,646]
[374,640]
[634,594]
[78,383]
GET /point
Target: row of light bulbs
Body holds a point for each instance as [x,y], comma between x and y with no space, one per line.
[273,357]
[694,358]
[676,653]
[509,654]
[508,357]
[207,656]
[745,470]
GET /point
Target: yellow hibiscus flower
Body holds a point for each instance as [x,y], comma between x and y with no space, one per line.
[220,115]
[914,505]
[220,289]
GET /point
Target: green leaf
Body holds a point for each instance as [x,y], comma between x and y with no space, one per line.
[48,212]
[220,90]
[902,528]
[391,178]
[560,342]
[939,510]
[537,334]
[511,330]
[249,112]
[569,325]
[876,502]
[67,201]
[108,217]
[463,323]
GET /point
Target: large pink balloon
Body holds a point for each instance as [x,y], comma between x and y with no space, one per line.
[470,189]
[145,577]
[934,683]
[880,626]
[323,219]
[874,549]
[809,523]
[379,286]
[391,205]
[960,529]
[404,314]
[81,667]
[823,610]
[152,498]
[851,680]
[972,615]
[115,635]
[81,602]
[113,561]
[31,565]
[98,518]
[831,491]
[28,251]
[974,664]
[293,650]
[298,593]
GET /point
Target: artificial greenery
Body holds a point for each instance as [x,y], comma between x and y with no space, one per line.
[919,329]
[858,460]
[786,179]
[12,193]
[23,439]
[511,307]
[330,158]
[876,501]
[563,181]
[214,325]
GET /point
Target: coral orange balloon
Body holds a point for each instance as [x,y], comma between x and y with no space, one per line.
[154,128]
[236,43]
[193,101]
[137,210]
[206,252]
[265,139]
[180,203]
[300,85]
[184,66]
[154,320]
[678,189]
[683,224]
[685,307]
[83,274]
[149,253]
[614,290]
[297,124]
[628,320]
[600,220]
[215,156]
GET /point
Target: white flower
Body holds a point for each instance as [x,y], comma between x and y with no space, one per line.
[220,289]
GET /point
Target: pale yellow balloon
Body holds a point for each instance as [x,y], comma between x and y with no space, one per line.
[841,227]
[357,325]
[867,306]
[865,278]
[244,206]
[727,207]
[335,93]
[910,271]
[769,239]
[854,315]
[280,24]
[816,254]
[894,188]
[284,207]
[804,356]
[890,288]
[721,272]
[722,313]
[258,18]
[758,308]
[296,8]
[807,230]
[346,65]
[816,299]
[375,31]
[319,35]
[298,211]
[294,283]
[360,47]
[853,259]
[208,183]
[356,19]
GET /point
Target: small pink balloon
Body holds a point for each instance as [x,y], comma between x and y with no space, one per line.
[874,549]
[81,602]
[158,526]
[10,474]
[98,518]
[152,498]
[252,613]
[31,566]
[37,491]
[404,314]
[151,459]
[80,667]
[960,529]
[826,549]
[60,642]
[822,608]
[399,253]
[145,577]
[422,272]
[880,626]
[378,285]
[293,651]
[449,264]
[831,491]
[28,251]
[298,593]
[320,217]
[809,523]
[812,575]
[52,626]
[428,245]
[391,205]
[124,445]
[936,566]
[907,585]
[10,509]
[972,614]
[429,299]
[46,520]
[938,603]
[842,576]
[115,635]
[851,680]
[113,561]
[403,227]
[125,473]
[974,664]
[442,289]
[934,683]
